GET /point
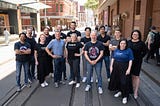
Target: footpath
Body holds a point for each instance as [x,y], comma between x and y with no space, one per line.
[149,92]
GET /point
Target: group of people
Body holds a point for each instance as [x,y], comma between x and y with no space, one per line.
[123,59]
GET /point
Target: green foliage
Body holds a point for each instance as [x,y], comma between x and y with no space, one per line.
[92,4]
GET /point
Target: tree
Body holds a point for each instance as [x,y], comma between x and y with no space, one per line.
[93,5]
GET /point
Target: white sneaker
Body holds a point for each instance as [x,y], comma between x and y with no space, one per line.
[87,88]
[72,82]
[77,85]
[100,91]
[42,85]
[91,79]
[124,100]
[117,94]
[96,80]
[84,79]
[45,83]
[108,79]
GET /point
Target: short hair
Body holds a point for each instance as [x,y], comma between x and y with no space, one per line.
[102,26]
[139,34]
[88,29]
[22,34]
[73,22]
[117,29]
[121,41]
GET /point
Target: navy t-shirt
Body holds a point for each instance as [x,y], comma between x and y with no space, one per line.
[20,46]
[72,48]
[104,40]
[123,55]
[71,32]
[93,49]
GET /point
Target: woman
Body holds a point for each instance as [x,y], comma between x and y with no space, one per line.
[120,67]
[73,56]
[139,51]
[41,60]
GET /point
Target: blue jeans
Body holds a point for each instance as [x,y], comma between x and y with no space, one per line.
[18,72]
[59,64]
[107,64]
[98,68]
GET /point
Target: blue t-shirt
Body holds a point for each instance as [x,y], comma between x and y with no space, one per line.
[123,55]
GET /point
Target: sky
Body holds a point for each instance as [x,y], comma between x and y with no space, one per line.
[81,2]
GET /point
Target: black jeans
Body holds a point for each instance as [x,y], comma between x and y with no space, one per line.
[31,70]
[75,68]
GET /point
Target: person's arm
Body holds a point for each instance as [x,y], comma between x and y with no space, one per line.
[35,57]
[106,43]
[49,52]
[129,67]
[111,65]
[149,41]
[111,47]
[86,56]
[100,56]
[28,51]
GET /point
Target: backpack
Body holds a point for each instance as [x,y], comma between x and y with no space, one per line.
[156,39]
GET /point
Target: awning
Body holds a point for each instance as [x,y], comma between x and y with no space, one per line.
[29,3]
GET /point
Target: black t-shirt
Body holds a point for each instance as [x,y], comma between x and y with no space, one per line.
[85,40]
[32,42]
[63,36]
[20,46]
[104,40]
[93,49]
[71,32]
[72,48]
[48,39]
[40,48]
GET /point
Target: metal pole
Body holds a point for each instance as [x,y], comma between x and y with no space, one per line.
[45,20]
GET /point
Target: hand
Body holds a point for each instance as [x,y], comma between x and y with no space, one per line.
[36,62]
[127,72]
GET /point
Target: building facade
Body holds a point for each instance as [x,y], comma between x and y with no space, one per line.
[129,15]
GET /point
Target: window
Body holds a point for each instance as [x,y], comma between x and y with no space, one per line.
[56,7]
[61,7]
[138,7]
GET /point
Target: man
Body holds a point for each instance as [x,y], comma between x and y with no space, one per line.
[84,40]
[22,50]
[32,42]
[62,36]
[153,43]
[93,52]
[73,30]
[105,39]
[56,50]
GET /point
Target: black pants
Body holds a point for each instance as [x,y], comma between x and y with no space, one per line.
[75,68]
[31,71]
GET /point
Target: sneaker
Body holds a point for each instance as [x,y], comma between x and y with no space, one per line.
[29,81]
[135,96]
[72,82]
[77,85]
[87,88]
[18,89]
[124,100]
[108,79]
[42,85]
[56,84]
[145,60]
[62,82]
[84,79]
[100,91]
[117,94]
[27,85]
[91,79]
[96,80]
[45,83]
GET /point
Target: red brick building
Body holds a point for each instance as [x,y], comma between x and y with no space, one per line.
[130,14]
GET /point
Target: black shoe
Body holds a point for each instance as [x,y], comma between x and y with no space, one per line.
[158,63]
[65,78]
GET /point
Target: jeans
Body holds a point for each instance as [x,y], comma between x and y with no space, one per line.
[98,69]
[18,72]
[31,69]
[107,64]
[59,64]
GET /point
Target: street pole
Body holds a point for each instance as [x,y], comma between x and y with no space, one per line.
[45,19]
